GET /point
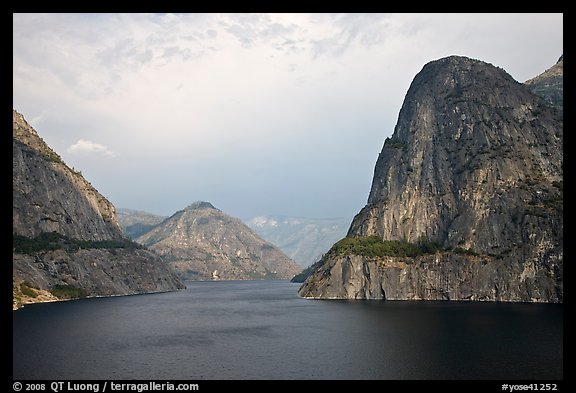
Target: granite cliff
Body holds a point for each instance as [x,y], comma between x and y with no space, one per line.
[472,177]
[202,243]
[66,239]
[48,196]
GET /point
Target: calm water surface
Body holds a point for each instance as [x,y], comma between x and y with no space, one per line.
[263,330]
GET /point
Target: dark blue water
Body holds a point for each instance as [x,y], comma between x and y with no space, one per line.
[263,330]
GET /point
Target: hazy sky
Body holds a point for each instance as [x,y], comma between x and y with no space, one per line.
[256,113]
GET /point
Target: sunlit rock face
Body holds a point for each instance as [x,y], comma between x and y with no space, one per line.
[475,163]
[203,243]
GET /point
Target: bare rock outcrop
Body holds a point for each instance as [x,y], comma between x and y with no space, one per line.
[475,163]
[201,240]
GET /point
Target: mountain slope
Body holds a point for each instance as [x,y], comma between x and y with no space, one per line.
[135,223]
[304,240]
[475,168]
[203,243]
[49,196]
[66,237]
[550,85]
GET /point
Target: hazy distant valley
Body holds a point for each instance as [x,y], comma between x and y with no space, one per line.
[304,240]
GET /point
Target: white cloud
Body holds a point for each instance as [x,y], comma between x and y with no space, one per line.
[88,147]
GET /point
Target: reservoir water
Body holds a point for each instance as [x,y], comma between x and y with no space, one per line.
[263,330]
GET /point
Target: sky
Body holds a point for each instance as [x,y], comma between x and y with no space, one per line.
[259,114]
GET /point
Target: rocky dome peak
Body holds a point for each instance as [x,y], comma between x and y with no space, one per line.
[475,164]
[454,69]
[200,205]
[202,239]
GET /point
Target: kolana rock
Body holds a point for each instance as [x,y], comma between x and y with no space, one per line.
[66,239]
[203,243]
[475,168]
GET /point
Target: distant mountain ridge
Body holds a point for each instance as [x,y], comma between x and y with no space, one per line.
[203,243]
[303,239]
[67,242]
[135,223]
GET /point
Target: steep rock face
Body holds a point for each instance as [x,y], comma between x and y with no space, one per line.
[445,276]
[471,151]
[475,162]
[97,272]
[49,197]
[203,243]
